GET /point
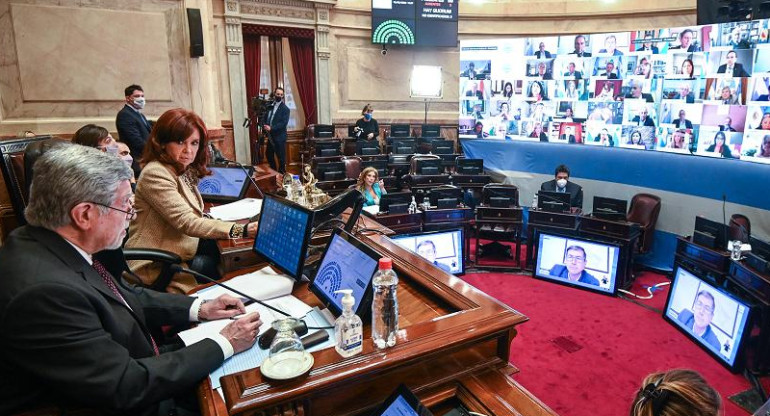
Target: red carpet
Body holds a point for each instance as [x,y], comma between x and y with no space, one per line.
[614,344]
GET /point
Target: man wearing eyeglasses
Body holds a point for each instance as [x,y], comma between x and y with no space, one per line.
[73,336]
[699,319]
[574,266]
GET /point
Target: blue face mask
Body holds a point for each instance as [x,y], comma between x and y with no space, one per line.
[368,116]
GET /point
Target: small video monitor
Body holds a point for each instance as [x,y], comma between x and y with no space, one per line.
[225,184]
[584,264]
[442,248]
[367,147]
[711,234]
[442,147]
[430,167]
[331,171]
[718,321]
[404,147]
[759,256]
[380,165]
[324,131]
[553,201]
[500,196]
[451,194]
[395,202]
[610,208]
[347,263]
[431,130]
[283,233]
[325,149]
[402,402]
[469,166]
[333,209]
[400,130]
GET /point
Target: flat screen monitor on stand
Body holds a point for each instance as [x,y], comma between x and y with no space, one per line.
[553,201]
[610,208]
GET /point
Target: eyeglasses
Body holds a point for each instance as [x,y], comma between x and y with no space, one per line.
[575,258]
[130,214]
[700,305]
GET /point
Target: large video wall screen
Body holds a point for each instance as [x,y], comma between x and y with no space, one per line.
[702,90]
[415,22]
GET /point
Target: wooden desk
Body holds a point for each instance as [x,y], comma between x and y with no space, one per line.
[441,354]
[401,223]
[622,233]
[559,222]
[510,219]
[714,263]
[756,286]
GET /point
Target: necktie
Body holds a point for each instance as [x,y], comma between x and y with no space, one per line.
[146,123]
[99,267]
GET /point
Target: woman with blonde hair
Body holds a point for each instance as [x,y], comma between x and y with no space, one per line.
[371,186]
[676,393]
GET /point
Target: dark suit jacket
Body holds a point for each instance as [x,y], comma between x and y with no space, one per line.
[687,124]
[585,54]
[688,319]
[539,55]
[570,139]
[647,122]
[726,128]
[576,74]
[654,49]
[133,129]
[726,152]
[67,338]
[279,122]
[738,70]
[560,270]
[611,75]
[574,190]
[645,96]
[691,48]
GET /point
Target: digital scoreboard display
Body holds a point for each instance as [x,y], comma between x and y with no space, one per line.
[410,22]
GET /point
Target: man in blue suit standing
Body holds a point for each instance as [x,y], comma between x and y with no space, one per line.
[133,126]
[275,126]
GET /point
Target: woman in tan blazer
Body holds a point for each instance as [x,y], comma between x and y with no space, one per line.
[169,207]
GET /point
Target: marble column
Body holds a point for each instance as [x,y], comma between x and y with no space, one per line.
[237,71]
[323,53]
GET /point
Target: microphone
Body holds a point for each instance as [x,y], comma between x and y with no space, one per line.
[265,339]
[260,194]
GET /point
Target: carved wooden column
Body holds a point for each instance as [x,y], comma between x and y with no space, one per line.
[237,73]
[323,53]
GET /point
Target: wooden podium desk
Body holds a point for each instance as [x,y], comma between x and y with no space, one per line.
[453,347]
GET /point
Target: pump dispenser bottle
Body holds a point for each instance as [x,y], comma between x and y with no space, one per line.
[348,328]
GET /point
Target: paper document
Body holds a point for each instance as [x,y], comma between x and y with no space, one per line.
[238,210]
[372,209]
[261,284]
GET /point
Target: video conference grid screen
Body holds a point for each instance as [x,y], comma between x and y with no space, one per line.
[714,319]
[344,266]
[577,262]
[415,22]
[701,90]
[443,249]
[281,235]
[223,182]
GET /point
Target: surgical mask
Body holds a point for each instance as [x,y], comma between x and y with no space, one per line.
[111,149]
[139,102]
[127,159]
[278,99]
[367,116]
[561,183]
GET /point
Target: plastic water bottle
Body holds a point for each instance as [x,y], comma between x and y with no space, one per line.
[287,185]
[297,191]
[385,305]
[534,202]
[413,206]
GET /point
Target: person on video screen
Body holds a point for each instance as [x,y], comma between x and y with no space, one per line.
[574,266]
[698,320]
[427,250]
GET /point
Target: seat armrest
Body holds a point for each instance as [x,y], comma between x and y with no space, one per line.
[151,254]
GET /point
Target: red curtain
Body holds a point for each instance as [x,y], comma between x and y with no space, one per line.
[251,58]
[303,58]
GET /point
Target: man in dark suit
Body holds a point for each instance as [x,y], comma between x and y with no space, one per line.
[543,72]
[636,92]
[580,47]
[643,118]
[730,67]
[277,120]
[682,122]
[728,126]
[568,135]
[686,41]
[562,184]
[574,266]
[571,73]
[133,126]
[72,335]
[685,93]
[609,70]
[541,53]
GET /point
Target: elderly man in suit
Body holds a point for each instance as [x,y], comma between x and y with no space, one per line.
[75,336]
[732,68]
[275,126]
[133,126]
[562,184]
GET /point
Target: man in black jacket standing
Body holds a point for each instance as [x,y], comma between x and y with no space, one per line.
[133,126]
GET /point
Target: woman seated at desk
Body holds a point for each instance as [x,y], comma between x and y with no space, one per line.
[169,206]
[371,186]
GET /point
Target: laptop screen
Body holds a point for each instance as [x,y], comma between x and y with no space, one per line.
[224,184]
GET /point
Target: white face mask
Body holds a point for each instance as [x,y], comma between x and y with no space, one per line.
[139,103]
[111,149]
[561,183]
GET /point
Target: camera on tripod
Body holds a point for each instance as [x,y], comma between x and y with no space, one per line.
[261,106]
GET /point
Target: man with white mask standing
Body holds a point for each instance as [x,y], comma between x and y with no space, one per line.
[133,126]
[562,184]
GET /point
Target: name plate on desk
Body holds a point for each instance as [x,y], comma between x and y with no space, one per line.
[716,260]
[624,230]
[442,215]
[460,180]
[432,180]
[499,214]
[553,219]
[751,281]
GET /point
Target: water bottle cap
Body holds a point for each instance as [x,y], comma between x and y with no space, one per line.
[386,263]
[295,176]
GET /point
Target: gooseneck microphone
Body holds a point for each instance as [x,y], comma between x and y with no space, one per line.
[260,194]
[265,339]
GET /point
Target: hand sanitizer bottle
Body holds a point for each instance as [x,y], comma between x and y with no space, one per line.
[348,328]
[534,201]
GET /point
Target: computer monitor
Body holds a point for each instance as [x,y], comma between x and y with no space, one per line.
[718,321]
[326,149]
[465,166]
[380,165]
[347,263]
[452,195]
[330,171]
[400,130]
[443,248]
[395,202]
[431,130]
[584,264]
[711,234]
[442,147]
[367,147]
[500,196]
[429,167]
[283,234]
[324,131]
[333,208]
[402,402]
[610,208]
[553,201]
[760,248]
[403,147]
[759,256]
[225,184]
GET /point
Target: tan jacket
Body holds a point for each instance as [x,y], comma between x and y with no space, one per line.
[169,217]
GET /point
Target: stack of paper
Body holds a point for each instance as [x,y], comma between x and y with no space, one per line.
[238,210]
[261,284]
